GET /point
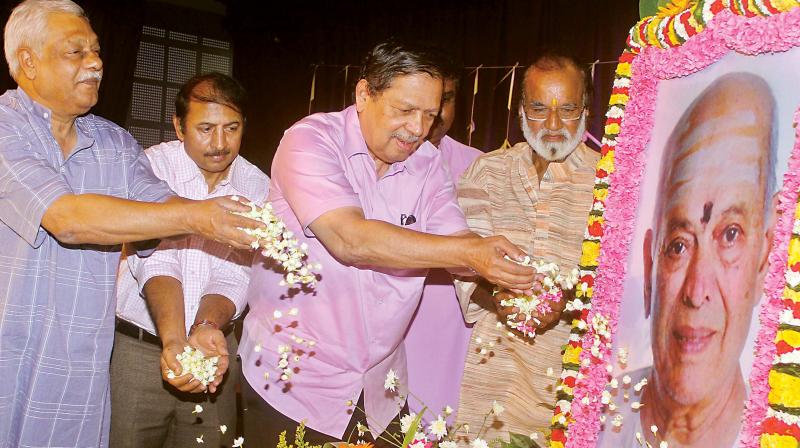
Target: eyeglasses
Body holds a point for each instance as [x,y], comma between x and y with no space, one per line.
[565,113]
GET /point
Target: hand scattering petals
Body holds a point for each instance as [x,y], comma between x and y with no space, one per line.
[552,291]
[278,243]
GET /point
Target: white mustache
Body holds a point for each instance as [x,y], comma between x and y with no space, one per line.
[545,133]
[98,76]
[405,138]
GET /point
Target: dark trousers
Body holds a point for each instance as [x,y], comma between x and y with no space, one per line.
[263,424]
[146,412]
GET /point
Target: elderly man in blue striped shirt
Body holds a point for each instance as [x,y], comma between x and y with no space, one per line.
[73,187]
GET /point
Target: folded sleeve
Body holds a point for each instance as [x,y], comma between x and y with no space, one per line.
[143,184]
[444,215]
[29,184]
[308,170]
[163,262]
[230,278]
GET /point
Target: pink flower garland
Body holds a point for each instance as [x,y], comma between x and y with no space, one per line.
[765,349]
[726,32]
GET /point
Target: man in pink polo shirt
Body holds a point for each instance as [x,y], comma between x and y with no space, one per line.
[375,205]
[437,339]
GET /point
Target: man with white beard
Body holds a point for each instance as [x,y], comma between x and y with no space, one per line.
[537,194]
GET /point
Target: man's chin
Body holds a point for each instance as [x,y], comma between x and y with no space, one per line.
[553,152]
[690,387]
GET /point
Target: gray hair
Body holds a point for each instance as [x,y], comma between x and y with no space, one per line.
[27,27]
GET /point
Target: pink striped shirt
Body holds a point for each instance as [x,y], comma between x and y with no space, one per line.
[202,266]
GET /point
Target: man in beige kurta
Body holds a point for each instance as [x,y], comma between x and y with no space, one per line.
[538,194]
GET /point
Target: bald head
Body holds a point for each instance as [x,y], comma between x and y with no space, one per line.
[725,131]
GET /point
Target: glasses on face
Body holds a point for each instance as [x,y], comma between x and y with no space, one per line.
[540,113]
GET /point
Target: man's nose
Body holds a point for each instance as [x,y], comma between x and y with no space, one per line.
[416,125]
[699,285]
[553,121]
[217,139]
[93,61]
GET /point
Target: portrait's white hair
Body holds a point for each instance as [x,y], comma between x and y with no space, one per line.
[27,27]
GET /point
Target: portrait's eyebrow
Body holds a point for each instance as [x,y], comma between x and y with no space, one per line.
[678,224]
[735,209]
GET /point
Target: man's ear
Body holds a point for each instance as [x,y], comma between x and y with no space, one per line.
[27,63]
[362,94]
[176,123]
[770,221]
[647,256]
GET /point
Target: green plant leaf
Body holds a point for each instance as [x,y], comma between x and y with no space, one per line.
[519,441]
[412,430]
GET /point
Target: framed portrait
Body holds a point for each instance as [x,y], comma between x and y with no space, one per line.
[687,330]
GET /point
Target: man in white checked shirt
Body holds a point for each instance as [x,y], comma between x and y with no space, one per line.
[190,289]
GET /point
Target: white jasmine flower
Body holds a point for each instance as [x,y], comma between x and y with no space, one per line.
[534,436]
[361,429]
[277,314]
[438,427]
[479,443]
[636,405]
[549,371]
[626,379]
[663,444]
[654,429]
[238,442]
[223,428]
[200,439]
[197,409]
[617,420]
[448,410]
[406,421]
[391,381]
[497,408]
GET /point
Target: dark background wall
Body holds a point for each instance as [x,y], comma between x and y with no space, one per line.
[277,44]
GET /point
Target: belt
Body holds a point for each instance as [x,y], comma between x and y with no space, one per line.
[136,332]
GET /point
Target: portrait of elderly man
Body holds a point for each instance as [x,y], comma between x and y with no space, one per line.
[705,258]
[377,208]
[73,187]
[538,194]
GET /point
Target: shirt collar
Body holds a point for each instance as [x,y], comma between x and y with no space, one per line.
[355,144]
[85,137]
[559,170]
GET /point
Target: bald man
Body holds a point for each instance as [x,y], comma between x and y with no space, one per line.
[705,258]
